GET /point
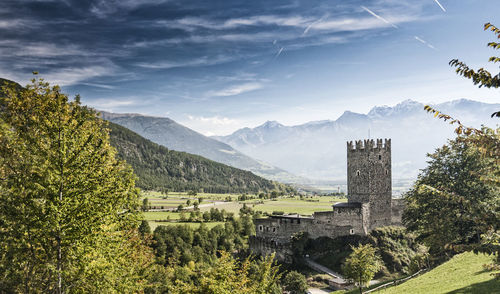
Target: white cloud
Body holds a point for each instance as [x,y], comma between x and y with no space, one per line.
[202,61]
[71,76]
[110,104]
[102,8]
[212,125]
[40,50]
[214,120]
[237,89]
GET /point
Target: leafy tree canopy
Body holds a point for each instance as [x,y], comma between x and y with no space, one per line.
[362,264]
[68,207]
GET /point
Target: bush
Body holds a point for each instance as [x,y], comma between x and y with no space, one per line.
[295,283]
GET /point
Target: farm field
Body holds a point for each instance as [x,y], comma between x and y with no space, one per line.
[153,225]
[306,206]
[464,273]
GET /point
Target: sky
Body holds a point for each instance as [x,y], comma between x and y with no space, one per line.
[217,66]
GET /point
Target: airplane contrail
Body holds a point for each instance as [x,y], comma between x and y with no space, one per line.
[442,8]
[279,52]
[424,42]
[380,17]
[312,24]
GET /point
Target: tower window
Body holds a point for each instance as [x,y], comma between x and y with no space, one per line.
[386,172]
[380,157]
[358,173]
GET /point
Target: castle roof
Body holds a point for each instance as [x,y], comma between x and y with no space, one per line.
[347,205]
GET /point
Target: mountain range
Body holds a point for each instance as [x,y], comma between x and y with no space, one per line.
[168,133]
[317,150]
[158,168]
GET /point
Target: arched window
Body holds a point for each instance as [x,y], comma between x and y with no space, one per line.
[380,157]
[358,173]
[386,171]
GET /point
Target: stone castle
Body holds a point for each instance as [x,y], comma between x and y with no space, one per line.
[369,206]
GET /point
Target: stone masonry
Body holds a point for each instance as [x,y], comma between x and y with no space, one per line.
[369,204]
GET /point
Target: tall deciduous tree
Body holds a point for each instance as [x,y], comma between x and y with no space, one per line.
[362,265]
[67,206]
[450,204]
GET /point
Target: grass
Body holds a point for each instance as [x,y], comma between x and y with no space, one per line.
[161,215]
[153,224]
[462,274]
[306,206]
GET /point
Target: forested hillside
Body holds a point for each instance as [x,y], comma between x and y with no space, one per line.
[159,168]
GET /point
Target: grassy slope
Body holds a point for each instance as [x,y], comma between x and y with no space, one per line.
[464,273]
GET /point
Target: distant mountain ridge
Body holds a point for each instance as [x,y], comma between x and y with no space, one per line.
[317,149]
[159,168]
[168,133]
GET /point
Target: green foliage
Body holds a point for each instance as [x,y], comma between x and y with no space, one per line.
[181,244]
[332,252]
[159,168]
[68,207]
[362,264]
[450,205]
[295,283]
[223,275]
[145,204]
[482,77]
[144,228]
[399,250]
[298,243]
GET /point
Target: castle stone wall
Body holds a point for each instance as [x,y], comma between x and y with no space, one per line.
[369,178]
[397,207]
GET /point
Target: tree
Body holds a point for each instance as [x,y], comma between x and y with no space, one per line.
[486,140]
[295,283]
[482,77]
[145,204]
[450,205]
[361,265]
[68,207]
[144,228]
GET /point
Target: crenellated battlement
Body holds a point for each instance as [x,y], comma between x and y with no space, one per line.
[362,145]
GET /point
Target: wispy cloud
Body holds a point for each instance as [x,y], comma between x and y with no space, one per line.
[215,120]
[102,86]
[310,26]
[237,89]
[103,8]
[110,104]
[425,42]
[191,23]
[379,17]
[441,6]
[71,76]
[202,61]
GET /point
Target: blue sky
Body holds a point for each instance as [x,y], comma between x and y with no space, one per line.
[217,66]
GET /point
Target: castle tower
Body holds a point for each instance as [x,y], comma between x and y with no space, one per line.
[369,179]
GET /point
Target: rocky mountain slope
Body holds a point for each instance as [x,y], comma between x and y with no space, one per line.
[168,133]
